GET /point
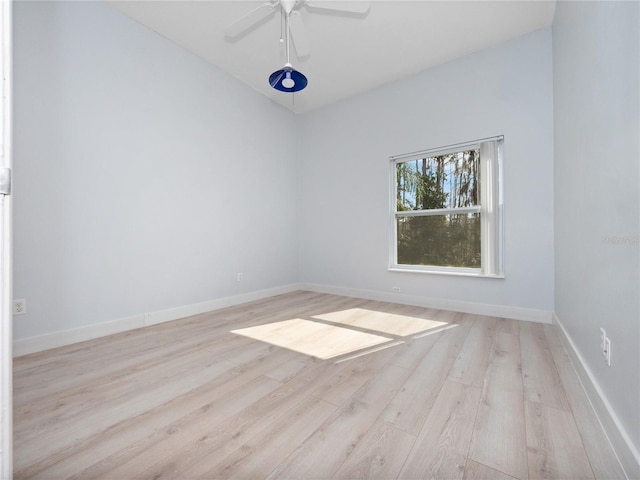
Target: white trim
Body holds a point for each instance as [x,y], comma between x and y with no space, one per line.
[461,272]
[407,157]
[61,338]
[502,311]
[619,439]
[29,345]
[490,220]
[491,208]
[6,246]
[438,211]
[170,314]
[393,207]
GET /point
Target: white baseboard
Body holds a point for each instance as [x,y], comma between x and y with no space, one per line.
[29,345]
[627,454]
[26,346]
[504,311]
[197,308]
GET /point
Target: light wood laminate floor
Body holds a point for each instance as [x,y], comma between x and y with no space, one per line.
[310,386]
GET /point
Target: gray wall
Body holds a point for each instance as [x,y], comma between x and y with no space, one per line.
[345,175]
[145,179]
[597,147]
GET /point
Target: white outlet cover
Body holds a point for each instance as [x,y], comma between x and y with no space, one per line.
[607,351]
[19,307]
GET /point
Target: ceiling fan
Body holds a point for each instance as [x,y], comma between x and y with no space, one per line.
[288,79]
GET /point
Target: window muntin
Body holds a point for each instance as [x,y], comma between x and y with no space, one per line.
[447,210]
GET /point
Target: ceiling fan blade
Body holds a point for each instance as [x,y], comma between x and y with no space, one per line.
[252,18]
[298,34]
[351,6]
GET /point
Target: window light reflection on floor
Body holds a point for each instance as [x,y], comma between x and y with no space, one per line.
[343,332]
[312,338]
[380,321]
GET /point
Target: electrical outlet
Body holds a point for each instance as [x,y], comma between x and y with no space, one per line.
[19,307]
[607,350]
[605,346]
[239,277]
[396,289]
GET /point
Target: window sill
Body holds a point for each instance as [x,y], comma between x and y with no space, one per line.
[453,272]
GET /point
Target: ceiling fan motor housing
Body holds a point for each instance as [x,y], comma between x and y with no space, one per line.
[288,5]
[288,79]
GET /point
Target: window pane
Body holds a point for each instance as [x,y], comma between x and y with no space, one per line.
[440,240]
[443,181]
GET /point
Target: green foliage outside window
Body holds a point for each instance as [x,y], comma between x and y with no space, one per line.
[445,181]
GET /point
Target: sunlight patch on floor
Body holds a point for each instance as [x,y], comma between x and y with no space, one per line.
[312,338]
[384,322]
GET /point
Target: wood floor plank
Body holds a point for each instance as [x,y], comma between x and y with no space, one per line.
[322,454]
[252,459]
[163,446]
[131,437]
[191,399]
[195,458]
[227,400]
[601,457]
[410,407]
[477,471]
[465,319]
[414,350]
[499,435]
[471,364]
[508,325]
[540,376]
[79,428]
[109,389]
[380,454]
[355,373]
[35,382]
[51,359]
[441,448]
[555,448]
[65,462]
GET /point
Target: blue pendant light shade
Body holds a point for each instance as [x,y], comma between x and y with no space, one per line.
[288,79]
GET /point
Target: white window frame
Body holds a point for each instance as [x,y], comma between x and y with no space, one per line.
[491,209]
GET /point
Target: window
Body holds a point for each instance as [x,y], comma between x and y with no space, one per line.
[447,210]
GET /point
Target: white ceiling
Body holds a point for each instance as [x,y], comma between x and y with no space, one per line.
[349,53]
